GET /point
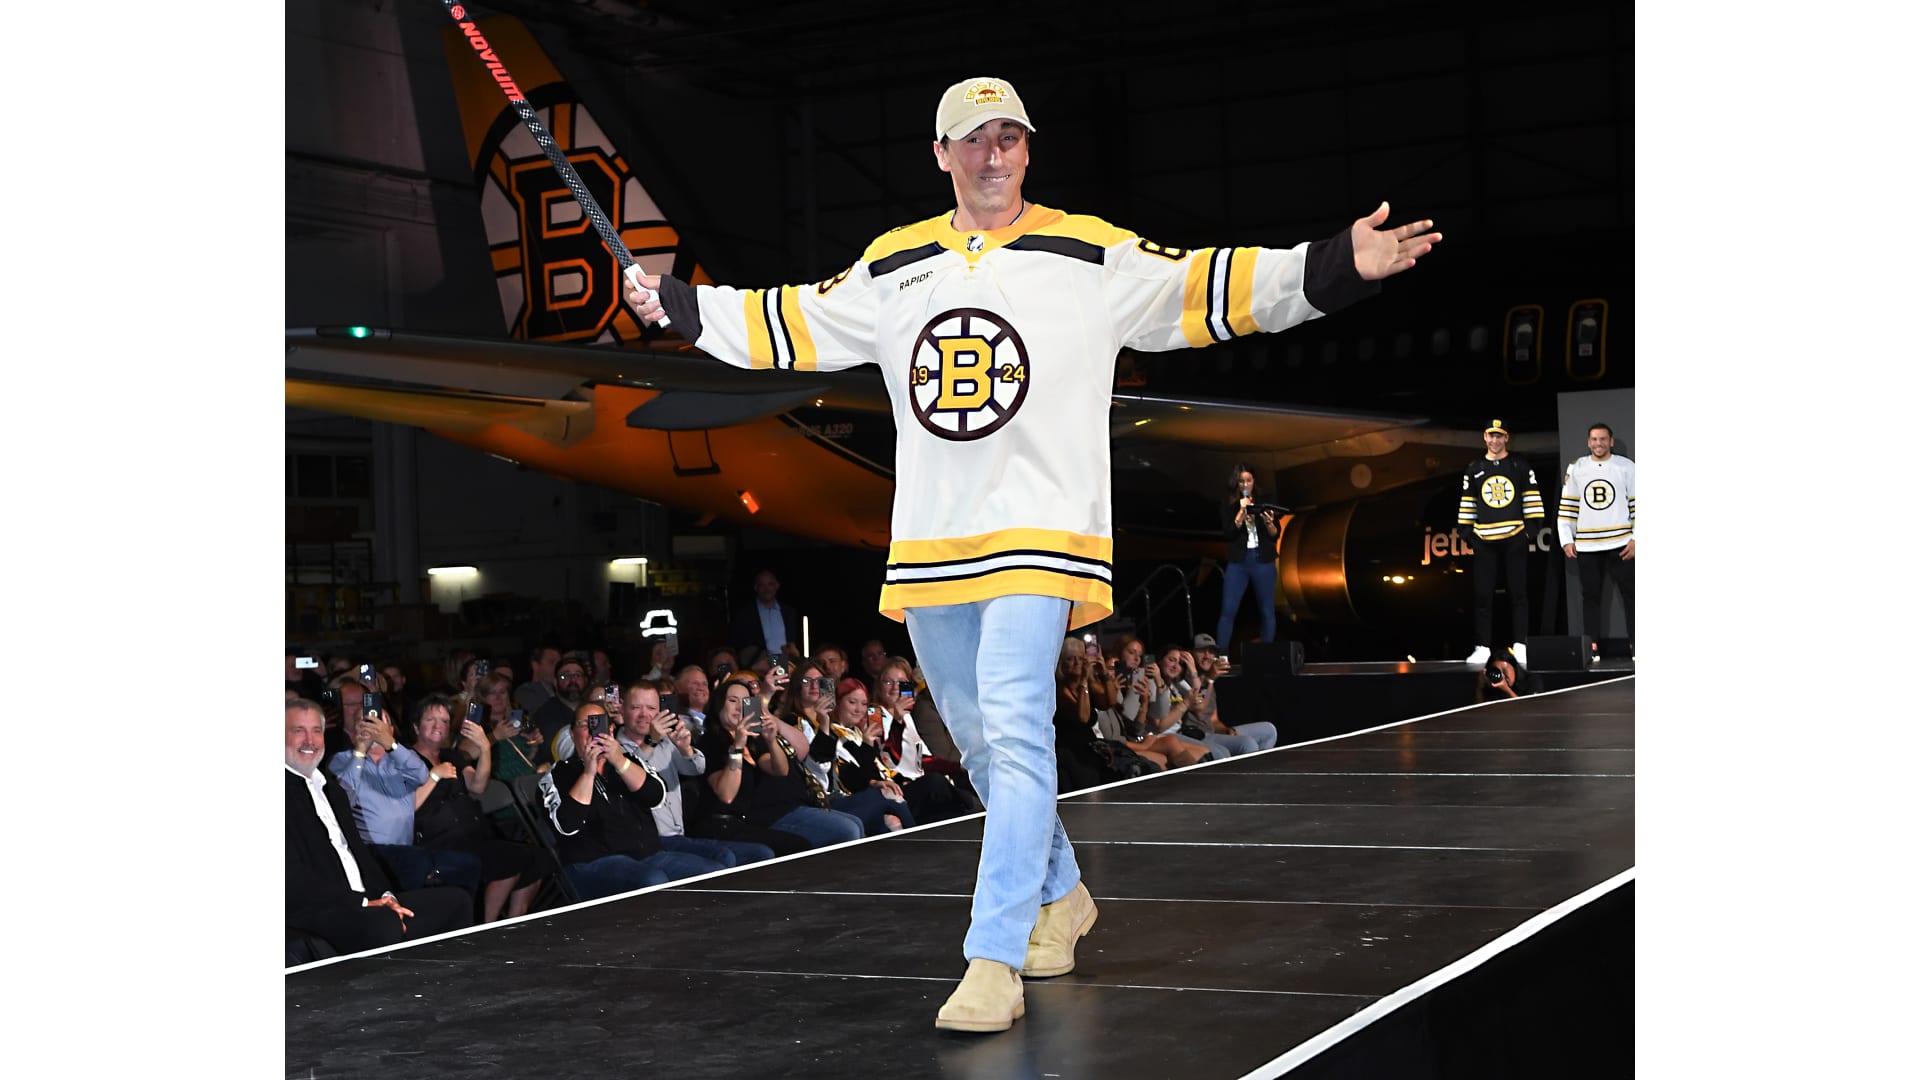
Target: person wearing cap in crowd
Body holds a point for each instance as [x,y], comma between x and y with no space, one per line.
[996,326]
[1596,525]
[1498,495]
[1250,533]
[555,715]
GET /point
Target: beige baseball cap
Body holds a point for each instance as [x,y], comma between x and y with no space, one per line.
[971,102]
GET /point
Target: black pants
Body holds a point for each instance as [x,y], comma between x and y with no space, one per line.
[1489,557]
[355,929]
[1593,564]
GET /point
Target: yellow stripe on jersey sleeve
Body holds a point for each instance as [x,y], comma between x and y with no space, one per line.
[1240,292]
[805,356]
[759,339]
[1193,310]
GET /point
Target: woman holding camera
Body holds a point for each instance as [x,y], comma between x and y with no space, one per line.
[1149,713]
[446,815]
[754,770]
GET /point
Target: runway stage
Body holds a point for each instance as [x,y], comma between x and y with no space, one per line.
[1450,896]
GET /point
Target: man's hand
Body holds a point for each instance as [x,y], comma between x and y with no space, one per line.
[393,905]
[1379,253]
[643,295]
[1627,552]
[381,729]
[362,737]
[1568,548]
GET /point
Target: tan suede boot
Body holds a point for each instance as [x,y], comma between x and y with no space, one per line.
[1060,926]
[989,999]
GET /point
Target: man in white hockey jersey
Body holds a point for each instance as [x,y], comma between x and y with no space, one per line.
[996,327]
[1596,523]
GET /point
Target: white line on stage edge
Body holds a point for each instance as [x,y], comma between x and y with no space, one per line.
[1134,899]
[1251,844]
[1358,1021]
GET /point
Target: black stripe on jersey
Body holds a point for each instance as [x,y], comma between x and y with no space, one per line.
[904,582]
[1217,298]
[903,258]
[777,320]
[1001,554]
[1062,245]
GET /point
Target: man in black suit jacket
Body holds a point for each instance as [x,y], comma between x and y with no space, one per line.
[767,622]
[335,887]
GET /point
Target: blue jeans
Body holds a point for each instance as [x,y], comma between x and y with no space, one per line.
[820,827]
[610,875]
[1243,574]
[871,807]
[410,866]
[1255,736]
[989,665]
[725,852]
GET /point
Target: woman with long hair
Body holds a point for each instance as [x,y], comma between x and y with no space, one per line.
[1250,533]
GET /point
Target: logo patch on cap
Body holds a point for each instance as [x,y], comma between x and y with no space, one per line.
[985,93]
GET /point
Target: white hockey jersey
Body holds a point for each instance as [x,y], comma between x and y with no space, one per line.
[998,351]
[1596,504]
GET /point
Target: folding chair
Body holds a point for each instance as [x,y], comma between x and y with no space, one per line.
[533,812]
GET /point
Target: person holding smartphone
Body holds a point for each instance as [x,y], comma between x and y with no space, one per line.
[383,780]
[446,812]
[754,778]
[600,801]
[664,743]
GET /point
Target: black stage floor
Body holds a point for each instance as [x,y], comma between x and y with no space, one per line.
[1252,912]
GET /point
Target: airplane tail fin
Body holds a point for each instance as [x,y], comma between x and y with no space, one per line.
[557,280]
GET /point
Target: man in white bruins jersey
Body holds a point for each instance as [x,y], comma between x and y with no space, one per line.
[1498,494]
[996,327]
[1596,525]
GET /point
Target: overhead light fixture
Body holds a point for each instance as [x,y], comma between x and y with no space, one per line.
[452,571]
[747,500]
[633,560]
[1143,423]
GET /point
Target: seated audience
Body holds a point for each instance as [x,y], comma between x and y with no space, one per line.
[664,743]
[1203,667]
[754,773]
[384,781]
[447,817]
[336,890]
[600,802]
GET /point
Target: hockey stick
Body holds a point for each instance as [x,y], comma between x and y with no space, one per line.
[485,54]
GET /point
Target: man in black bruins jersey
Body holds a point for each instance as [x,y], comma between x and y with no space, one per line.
[1498,493]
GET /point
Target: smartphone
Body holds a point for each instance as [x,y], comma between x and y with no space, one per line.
[306,661]
[612,693]
[515,717]
[906,699]
[779,668]
[366,674]
[473,711]
[670,703]
[596,725]
[1148,660]
[751,710]
[371,704]
[481,667]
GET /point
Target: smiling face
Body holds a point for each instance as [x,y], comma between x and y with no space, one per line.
[988,166]
[851,711]
[1496,444]
[434,726]
[306,739]
[1600,443]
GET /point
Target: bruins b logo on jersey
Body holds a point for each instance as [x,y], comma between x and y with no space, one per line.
[1497,492]
[1598,494]
[968,374]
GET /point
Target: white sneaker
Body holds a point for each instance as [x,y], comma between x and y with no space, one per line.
[1519,654]
[1478,657]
